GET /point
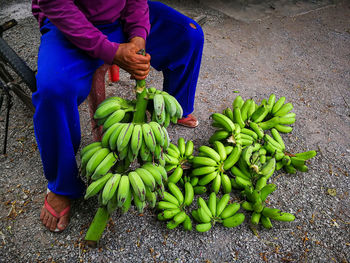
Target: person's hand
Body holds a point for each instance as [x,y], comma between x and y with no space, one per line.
[128,59]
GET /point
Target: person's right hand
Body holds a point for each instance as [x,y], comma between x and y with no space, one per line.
[128,59]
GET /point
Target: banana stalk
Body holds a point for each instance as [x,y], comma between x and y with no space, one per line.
[141,98]
[97,226]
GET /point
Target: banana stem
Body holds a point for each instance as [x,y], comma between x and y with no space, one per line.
[141,106]
[97,226]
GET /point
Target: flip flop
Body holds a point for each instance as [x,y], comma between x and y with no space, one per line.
[54,213]
[190,121]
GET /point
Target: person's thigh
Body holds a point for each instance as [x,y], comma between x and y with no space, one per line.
[171,36]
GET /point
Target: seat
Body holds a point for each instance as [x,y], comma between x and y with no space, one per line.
[98,94]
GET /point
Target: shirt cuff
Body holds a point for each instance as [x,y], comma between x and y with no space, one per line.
[107,51]
[138,32]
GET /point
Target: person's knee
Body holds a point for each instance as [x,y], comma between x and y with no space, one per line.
[194,35]
[54,87]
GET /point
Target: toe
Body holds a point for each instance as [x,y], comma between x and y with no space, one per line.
[48,222]
[42,213]
[45,218]
[53,224]
[63,222]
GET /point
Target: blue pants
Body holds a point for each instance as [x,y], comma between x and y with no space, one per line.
[64,80]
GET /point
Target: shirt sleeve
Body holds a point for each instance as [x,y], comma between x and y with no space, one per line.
[136,18]
[67,17]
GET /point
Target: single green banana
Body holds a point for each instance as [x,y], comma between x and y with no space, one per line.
[210,152]
[255,218]
[266,222]
[151,197]
[206,179]
[170,105]
[110,137]
[278,105]
[147,178]
[136,139]
[260,114]
[232,159]
[106,164]
[238,102]
[283,128]
[96,186]
[163,205]
[140,205]
[284,110]
[203,161]
[149,137]
[219,135]
[158,132]
[89,147]
[230,210]
[257,129]
[95,160]
[159,108]
[245,108]
[110,188]
[229,113]
[87,156]
[123,190]
[187,224]
[104,110]
[170,213]
[204,227]
[212,203]
[266,190]
[203,215]
[180,217]
[176,175]
[222,204]
[170,198]
[237,117]
[124,136]
[234,220]
[277,215]
[115,117]
[226,183]
[137,185]
[306,155]
[189,148]
[166,138]
[203,205]
[152,168]
[176,192]
[125,206]
[226,123]
[220,149]
[216,183]
[203,170]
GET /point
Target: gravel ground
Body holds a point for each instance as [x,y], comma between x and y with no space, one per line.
[304,56]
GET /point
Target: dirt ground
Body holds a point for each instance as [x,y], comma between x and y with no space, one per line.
[251,49]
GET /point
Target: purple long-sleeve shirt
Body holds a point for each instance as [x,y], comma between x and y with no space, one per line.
[76,20]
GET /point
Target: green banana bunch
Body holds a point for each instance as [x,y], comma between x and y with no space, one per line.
[211,166]
[166,108]
[255,203]
[217,210]
[97,161]
[298,162]
[109,107]
[173,205]
[178,158]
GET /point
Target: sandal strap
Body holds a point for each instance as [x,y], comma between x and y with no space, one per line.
[53,212]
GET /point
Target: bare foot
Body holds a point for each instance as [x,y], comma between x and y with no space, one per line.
[58,203]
